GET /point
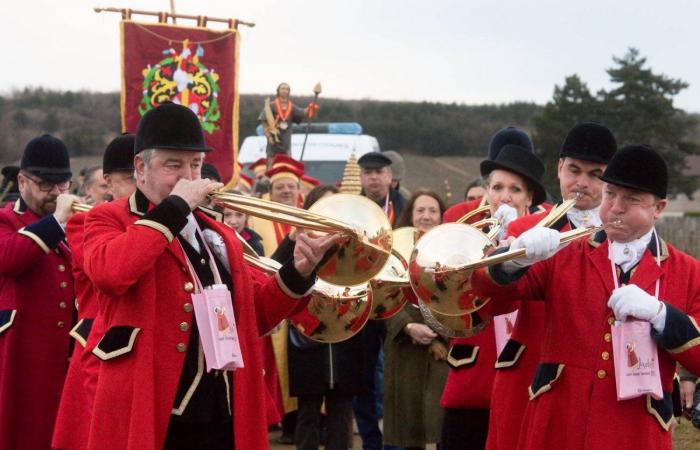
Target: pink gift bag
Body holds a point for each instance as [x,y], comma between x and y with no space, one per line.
[503,326]
[213,310]
[636,360]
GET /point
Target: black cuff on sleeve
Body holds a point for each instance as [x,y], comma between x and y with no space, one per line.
[499,275]
[680,331]
[285,251]
[48,230]
[294,281]
[171,212]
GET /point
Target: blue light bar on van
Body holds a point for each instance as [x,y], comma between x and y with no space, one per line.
[323,128]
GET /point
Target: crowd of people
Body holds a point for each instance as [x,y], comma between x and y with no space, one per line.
[101,346]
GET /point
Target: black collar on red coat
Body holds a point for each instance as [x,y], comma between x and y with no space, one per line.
[139,205]
[20,207]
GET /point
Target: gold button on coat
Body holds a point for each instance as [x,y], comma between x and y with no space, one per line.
[184,326]
[188,287]
[61,268]
[62,305]
[181,347]
[63,284]
[607,337]
[60,324]
[605,356]
[611,321]
[187,307]
[601,374]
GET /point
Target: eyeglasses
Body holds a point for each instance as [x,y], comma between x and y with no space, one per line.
[47,186]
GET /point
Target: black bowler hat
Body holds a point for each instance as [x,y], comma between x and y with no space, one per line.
[638,167]
[589,141]
[516,159]
[373,160]
[509,136]
[170,126]
[119,154]
[47,158]
[211,172]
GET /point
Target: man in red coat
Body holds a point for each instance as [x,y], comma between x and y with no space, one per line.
[73,419]
[144,254]
[36,296]
[583,158]
[573,399]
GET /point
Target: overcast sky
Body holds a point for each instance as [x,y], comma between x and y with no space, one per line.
[469,51]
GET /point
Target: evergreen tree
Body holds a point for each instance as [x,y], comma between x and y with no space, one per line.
[640,110]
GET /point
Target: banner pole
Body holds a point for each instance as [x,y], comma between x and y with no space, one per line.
[122,11]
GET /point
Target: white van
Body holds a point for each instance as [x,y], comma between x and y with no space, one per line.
[326,152]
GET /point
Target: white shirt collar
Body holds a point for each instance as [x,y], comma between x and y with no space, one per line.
[584,217]
[628,254]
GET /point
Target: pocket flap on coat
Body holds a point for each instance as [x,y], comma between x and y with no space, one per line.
[510,354]
[117,341]
[81,331]
[662,410]
[7,316]
[462,355]
[545,375]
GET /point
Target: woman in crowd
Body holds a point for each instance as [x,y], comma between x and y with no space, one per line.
[414,366]
[514,186]
[239,222]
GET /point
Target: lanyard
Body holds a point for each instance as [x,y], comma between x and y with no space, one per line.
[658,263]
[212,263]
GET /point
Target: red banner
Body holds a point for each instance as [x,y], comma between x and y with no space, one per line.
[195,67]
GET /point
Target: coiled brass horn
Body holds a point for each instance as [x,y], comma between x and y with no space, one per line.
[80,207]
[333,314]
[366,243]
[444,258]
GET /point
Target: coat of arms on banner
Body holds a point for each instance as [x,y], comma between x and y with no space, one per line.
[184,79]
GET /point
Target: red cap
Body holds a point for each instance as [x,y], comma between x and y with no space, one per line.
[283,171]
[258,166]
[281,159]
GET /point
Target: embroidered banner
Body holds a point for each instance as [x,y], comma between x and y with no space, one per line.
[192,66]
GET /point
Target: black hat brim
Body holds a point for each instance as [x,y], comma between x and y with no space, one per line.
[539,194]
[181,148]
[625,184]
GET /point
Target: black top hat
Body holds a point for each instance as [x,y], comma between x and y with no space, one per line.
[170,126]
[589,141]
[373,160]
[210,171]
[519,160]
[638,167]
[509,136]
[119,154]
[47,158]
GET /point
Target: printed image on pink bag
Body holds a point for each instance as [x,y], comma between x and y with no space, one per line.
[636,360]
[503,327]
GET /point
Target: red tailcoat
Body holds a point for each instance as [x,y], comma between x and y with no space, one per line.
[573,397]
[142,279]
[517,362]
[73,419]
[36,303]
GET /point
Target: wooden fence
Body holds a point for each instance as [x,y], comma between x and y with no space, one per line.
[681,232]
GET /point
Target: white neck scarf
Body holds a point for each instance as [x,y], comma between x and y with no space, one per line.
[189,232]
[628,254]
[584,217]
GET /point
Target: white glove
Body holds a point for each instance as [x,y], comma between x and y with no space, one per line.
[505,214]
[539,243]
[632,301]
